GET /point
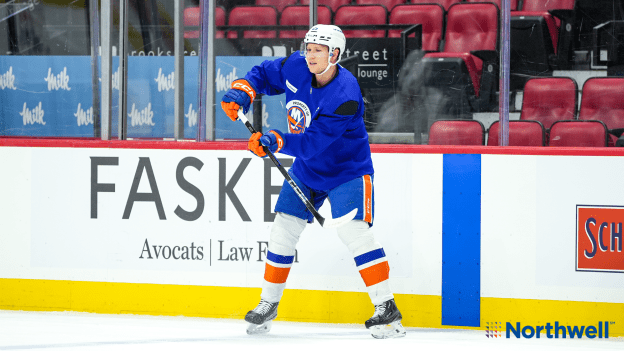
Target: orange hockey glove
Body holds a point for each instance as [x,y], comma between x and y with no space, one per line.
[242,94]
[254,145]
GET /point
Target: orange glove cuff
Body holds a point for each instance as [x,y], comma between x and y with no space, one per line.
[244,85]
[280,141]
[254,145]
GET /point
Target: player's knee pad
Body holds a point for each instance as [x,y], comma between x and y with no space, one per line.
[285,233]
[358,237]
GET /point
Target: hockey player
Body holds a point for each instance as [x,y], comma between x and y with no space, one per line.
[332,160]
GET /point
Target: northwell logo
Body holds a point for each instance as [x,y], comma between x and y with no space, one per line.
[493,329]
[552,331]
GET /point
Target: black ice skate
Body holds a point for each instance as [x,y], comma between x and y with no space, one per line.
[260,317]
[386,322]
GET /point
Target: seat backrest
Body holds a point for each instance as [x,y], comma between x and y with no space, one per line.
[548,100]
[192,19]
[499,3]
[388,4]
[278,4]
[333,4]
[456,132]
[543,5]
[471,27]
[430,16]
[361,14]
[300,15]
[521,133]
[253,16]
[578,133]
[445,3]
[603,100]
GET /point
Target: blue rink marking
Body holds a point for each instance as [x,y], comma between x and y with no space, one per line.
[461,240]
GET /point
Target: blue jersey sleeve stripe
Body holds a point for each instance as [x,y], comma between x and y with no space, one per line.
[369,256]
[279,258]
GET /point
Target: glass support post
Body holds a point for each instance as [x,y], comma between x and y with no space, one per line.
[178,127]
[122,128]
[94,24]
[503,96]
[206,118]
[313,13]
[107,60]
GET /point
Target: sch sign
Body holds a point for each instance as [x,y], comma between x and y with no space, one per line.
[599,238]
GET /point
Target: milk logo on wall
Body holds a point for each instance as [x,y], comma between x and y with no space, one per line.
[191,116]
[224,82]
[298,115]
[7,80]
[59,81]
[33,116]
[83,117]
[144,117]
[115,79]
[265,117]
[165,82]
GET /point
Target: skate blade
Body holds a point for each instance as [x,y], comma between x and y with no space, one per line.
[387,331]
[256,329]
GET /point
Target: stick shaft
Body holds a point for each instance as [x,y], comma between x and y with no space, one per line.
[289,179]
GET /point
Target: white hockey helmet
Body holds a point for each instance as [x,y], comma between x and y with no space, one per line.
[328,35]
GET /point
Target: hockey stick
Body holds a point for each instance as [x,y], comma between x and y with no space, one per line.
[324,222]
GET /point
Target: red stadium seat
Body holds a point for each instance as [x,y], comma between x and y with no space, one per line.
[253,16]
[521,133]
[192,19]
[541,6]
[539,41]
[603,100]
[578,134]
[430,16]
[300,15]
[361,14]
[514,3]
[333,4]
[388,4]
[278,4]
[548,100]
[445,3]
[456,132]
[470,27]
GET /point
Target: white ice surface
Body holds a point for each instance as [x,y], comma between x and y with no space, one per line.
[88,331]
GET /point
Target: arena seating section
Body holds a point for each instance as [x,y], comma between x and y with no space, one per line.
[544,35]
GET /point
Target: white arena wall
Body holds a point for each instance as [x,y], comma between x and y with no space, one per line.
[169,228]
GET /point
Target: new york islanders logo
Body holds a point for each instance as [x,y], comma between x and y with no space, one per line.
[298,115]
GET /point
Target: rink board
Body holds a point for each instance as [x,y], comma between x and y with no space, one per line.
[63,249]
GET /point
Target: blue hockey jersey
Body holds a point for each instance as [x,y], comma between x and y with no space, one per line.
[326,135]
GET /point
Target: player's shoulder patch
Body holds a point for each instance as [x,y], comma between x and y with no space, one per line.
[348,108]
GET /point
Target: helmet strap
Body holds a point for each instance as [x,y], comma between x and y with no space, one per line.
[328,67]
[329,63]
